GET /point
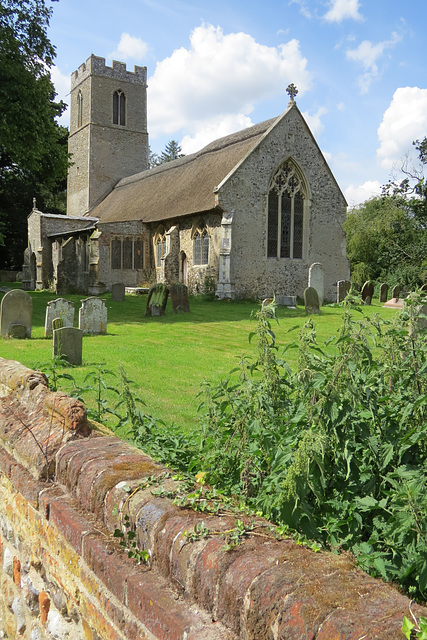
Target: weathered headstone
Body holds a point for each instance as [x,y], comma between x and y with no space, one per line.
[368,300]
[59,308]
[16,309]
[395,292]
[383,292]
[157,297]
[93,316]
[311,300]
[118,292]
[286,301]
[68,344]
[57,323]
[179,297]
[343,287]
[316,280]
[367,291]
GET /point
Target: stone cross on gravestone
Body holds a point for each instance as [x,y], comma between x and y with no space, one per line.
[292,91]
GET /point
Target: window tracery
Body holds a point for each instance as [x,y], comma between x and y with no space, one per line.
[285,212]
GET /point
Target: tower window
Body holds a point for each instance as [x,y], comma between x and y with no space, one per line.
[285,213]
[119,108]
[79,109]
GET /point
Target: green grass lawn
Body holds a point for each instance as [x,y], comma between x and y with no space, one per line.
[167,358]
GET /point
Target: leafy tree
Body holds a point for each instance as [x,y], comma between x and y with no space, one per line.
[386,236]
[172,152]
[33,147]
[386,241]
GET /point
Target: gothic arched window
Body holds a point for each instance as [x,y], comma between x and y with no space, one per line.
[119,108]
[201,247]
[286,213]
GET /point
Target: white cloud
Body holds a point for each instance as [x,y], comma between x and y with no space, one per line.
[404,121]
[367,55]
[218,78]
[314,122]
[304,10]
[205,132]
[342,9]
[356,194]
[62,87]
[130,47]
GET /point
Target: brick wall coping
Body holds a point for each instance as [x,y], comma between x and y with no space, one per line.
[84,482]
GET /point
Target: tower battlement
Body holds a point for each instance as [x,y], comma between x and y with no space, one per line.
[95,66]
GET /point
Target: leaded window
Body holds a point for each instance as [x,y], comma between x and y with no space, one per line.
[127,252]
[201,247]
[285,213]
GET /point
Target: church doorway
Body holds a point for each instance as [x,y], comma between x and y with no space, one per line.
[183,268]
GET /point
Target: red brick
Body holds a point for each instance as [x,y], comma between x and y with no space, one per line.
[109,564]
[69,523]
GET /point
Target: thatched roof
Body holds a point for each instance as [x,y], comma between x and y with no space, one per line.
[181,187]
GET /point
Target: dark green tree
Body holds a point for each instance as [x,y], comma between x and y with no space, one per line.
[172,152]
[33,147]
[387,235]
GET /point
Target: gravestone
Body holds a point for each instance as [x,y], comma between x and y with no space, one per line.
[286,301]
[93,316]
[57,323]
[68,344]
[316,280]
[157,297]
[311,300]
[59,308]
[118,292]
[367,291]
[179,297]
[16,309]
[368,300]
[383,292]
[343,287]
[395,292]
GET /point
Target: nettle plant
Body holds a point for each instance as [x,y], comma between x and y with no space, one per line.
[336,449]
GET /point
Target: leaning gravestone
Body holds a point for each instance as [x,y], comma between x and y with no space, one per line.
[395,292]
[316,280]
[367,291]
[59,308]
[118,292]
[93,316]
[68,344]
[343,287]
[179,297]
[16,313]
[383,292]
[157,299]
[311,300]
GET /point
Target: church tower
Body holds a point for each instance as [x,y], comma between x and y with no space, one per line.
[108,130]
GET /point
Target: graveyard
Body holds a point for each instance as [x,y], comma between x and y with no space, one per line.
[165,357]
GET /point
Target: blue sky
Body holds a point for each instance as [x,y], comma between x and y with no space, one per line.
[217,67]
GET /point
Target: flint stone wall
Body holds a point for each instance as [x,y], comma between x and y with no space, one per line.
[64,575]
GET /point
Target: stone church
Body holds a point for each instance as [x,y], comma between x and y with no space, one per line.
[248,214]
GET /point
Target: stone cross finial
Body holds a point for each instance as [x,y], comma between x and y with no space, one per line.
[292,91]
[34,203]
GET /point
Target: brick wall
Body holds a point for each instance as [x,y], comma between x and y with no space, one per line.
[64,488]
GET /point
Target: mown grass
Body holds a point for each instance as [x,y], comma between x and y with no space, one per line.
[167,358]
